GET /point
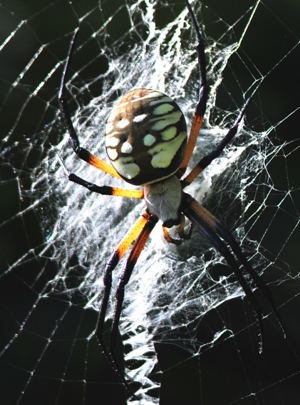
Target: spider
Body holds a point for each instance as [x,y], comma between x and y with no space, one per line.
[147,145]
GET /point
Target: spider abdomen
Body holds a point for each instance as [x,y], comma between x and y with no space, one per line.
[146,137]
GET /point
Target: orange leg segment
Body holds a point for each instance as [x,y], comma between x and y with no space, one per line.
[100,164]
[196,126]
[124,192]
[132,234]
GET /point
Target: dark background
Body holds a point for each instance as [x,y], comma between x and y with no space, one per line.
[218,372]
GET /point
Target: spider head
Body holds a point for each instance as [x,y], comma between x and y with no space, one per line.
[163,199]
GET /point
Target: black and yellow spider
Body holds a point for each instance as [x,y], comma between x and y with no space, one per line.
[147,145]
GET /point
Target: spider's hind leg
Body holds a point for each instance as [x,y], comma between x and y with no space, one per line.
[139,233]
[215,231]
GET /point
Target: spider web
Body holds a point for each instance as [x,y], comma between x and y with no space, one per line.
[188,333]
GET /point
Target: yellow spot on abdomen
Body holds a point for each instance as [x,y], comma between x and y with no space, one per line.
[164,152]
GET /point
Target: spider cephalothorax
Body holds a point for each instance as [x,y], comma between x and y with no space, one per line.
[147,144]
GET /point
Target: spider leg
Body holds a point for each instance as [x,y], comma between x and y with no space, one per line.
[206,160]
[226,235]
[136,250]
[203,95]
[82,153]
[211,227]
[106,190]
[140,233]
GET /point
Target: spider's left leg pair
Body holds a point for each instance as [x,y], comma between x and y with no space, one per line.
[83,153]
[139,233]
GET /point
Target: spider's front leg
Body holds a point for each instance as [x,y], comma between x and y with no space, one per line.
[203,95]
[199,115]
[206,160]
[82,153]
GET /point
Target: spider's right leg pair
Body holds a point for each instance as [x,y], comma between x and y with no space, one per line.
[139,233]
